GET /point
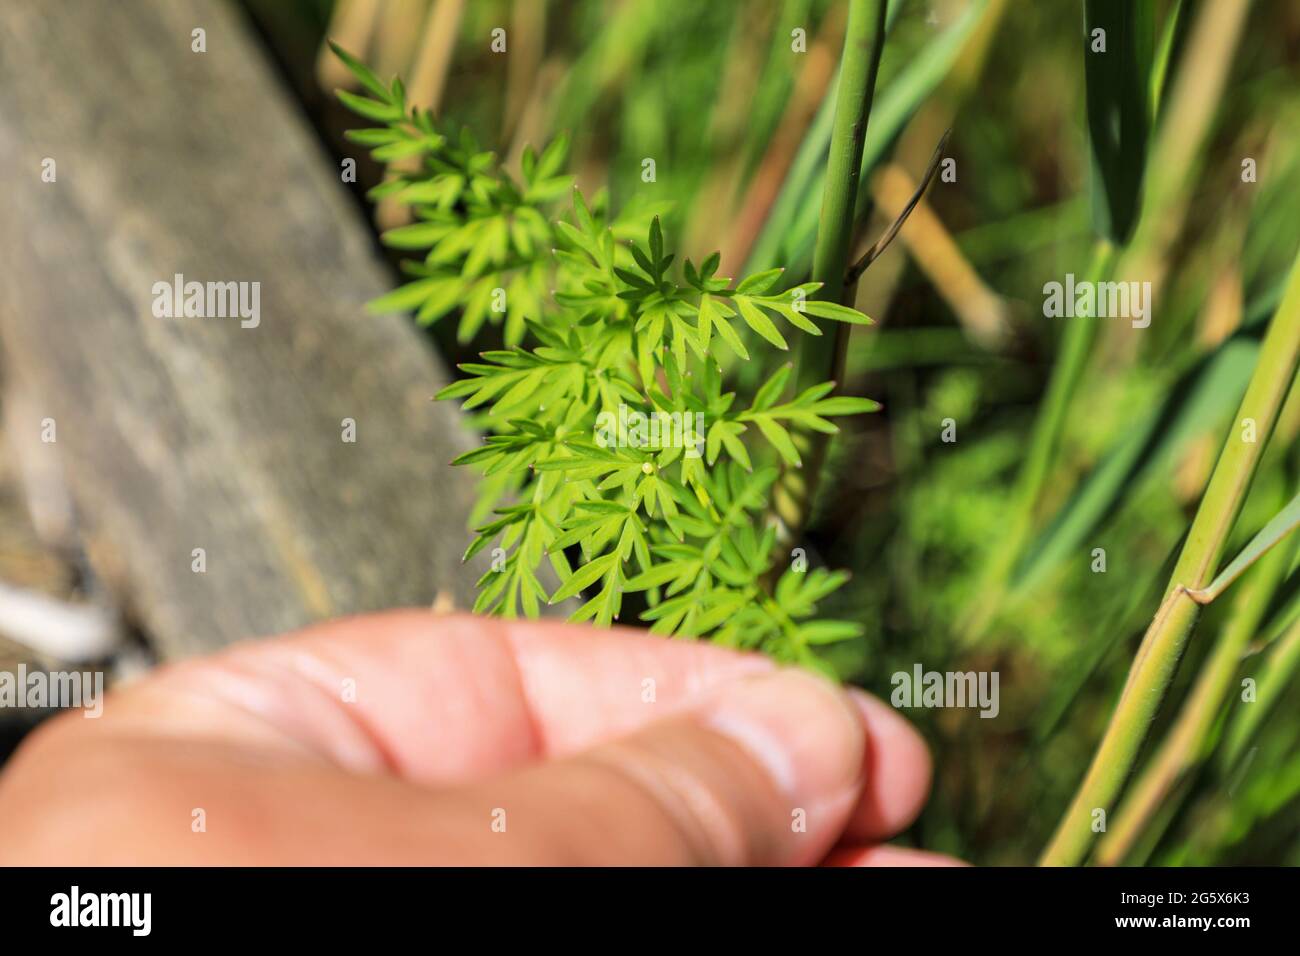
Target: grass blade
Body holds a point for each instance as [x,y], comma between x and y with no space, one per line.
[1117,86]
[1282,524]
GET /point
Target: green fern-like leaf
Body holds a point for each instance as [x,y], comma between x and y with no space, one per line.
[614,463]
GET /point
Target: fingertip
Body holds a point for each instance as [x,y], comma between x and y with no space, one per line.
[898,772]
[764,772]
[802,729]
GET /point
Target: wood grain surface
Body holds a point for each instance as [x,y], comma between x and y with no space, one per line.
[185,433]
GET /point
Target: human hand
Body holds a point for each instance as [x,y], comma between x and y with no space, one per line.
[409,738]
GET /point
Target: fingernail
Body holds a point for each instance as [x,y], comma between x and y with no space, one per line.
[804,731]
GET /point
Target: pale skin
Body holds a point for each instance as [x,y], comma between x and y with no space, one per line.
[409,738]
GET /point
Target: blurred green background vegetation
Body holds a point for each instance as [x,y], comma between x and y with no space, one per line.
[736,121]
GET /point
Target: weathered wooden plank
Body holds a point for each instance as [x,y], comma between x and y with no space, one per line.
[184,433]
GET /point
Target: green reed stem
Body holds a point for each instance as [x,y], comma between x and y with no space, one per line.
[1165,639]
[1184,745]
[821,358]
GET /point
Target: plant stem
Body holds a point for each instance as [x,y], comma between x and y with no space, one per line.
[857,82]
[821,358]
[1184,745]
[1165,639]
